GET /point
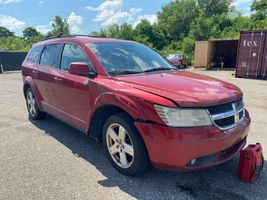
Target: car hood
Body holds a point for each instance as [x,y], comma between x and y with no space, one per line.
[185,88]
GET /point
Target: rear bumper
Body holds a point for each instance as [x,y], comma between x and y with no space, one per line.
[174,148]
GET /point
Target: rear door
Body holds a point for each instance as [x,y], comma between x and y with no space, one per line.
[30,68]
[47,73]
[72,91]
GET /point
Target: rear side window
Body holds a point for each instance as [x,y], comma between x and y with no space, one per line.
[50,55]
[34,54]
[72,53]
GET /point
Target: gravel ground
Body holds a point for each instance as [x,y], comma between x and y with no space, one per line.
[50,160]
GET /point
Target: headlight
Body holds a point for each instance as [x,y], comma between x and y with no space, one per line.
[178,117]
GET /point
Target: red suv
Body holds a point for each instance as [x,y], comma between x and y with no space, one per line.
[144,110]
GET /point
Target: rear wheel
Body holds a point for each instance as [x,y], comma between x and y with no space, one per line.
[124,145]
[33,110]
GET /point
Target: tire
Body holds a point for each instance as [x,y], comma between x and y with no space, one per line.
[32,107]
[129,155]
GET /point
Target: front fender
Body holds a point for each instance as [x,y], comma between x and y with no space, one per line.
[124,102]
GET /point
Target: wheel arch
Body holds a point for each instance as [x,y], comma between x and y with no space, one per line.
[26,86]
[100,116]
[29,83]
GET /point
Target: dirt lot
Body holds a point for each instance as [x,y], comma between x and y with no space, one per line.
[50,160]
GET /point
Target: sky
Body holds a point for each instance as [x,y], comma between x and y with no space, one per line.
[84,16]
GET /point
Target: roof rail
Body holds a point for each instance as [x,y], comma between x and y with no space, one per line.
[63,36]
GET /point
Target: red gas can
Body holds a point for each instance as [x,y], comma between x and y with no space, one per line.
[250,163]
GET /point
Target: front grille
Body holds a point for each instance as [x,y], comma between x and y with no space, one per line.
[220,108]
[227,115]
[225,121]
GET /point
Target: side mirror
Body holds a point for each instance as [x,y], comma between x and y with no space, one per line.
[82,69]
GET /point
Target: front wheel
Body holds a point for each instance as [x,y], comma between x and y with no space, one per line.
[124,145]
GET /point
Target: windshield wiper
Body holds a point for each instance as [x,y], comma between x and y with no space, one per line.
[124,72]
[159,69]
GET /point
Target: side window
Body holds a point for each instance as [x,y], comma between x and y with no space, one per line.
[34,54]
[50,55]
[72,53]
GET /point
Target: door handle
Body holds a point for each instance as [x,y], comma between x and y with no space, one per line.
[57,79]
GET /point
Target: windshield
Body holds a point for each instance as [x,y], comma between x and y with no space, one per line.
[119,58]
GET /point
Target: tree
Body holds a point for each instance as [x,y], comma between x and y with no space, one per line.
[113,30]
[13,43]
[176,17]
[4,32]
[143,32]
[59,26]
[30,32]
[215,7]
[125,32]
[239,23]
[159,39]
[259,17]
[188,45]
[203,28]
[102,33]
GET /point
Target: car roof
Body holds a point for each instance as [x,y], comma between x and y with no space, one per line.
[80,39]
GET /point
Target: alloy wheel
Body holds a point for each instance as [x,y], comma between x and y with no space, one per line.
[120,145]
[31,103]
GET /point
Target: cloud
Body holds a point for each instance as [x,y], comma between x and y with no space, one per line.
[9,1]
[110,12]
[151,18]
[243,6]
[11,23]
[111,4]
[75,21]
[239,2]
[40,3]
[42,29]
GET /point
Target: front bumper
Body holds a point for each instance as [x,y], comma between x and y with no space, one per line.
[175,148]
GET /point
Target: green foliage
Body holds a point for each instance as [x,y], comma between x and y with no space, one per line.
[31,35]
[143,33]
[211,7]
[4,32]
[259,18]
[188,46]
[59,26]
[176,17]
[13,43]
[125,32]
[29,32]
[203,28]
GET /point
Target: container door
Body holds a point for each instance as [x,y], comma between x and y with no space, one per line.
[251,49]
[201,53]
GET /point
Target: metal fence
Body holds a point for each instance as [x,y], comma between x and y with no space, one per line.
[11,61]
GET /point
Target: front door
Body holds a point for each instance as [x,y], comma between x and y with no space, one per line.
[72,91]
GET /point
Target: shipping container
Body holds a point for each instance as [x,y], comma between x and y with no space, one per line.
[252,54]
[10,61]
[216,53]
